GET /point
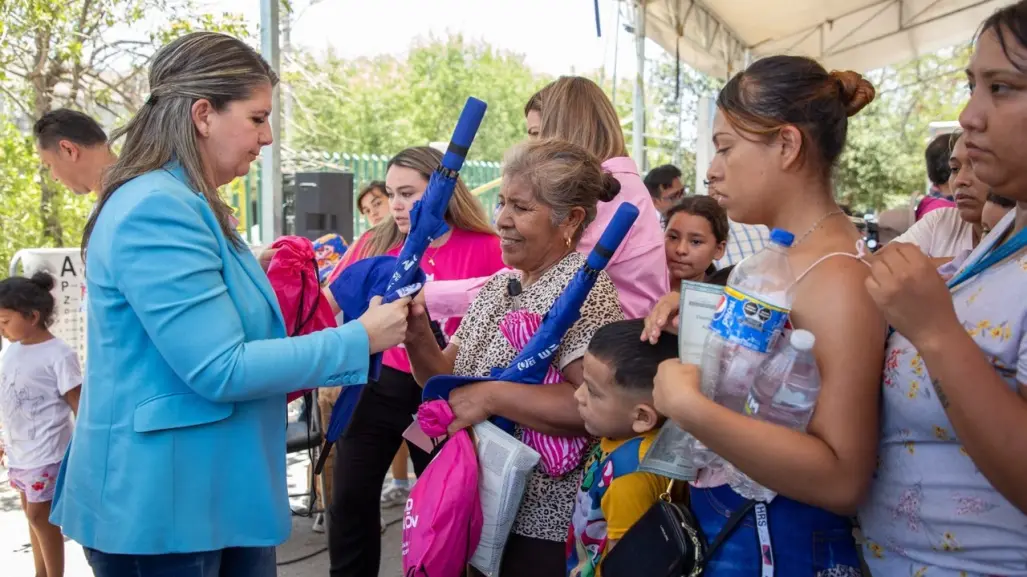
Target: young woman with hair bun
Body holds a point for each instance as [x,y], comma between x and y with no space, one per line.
[780,128]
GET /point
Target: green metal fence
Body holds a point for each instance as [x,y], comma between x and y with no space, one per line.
[245,192]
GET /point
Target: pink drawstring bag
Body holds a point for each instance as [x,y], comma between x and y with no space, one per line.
[442,522]
[560,455]
[294,276]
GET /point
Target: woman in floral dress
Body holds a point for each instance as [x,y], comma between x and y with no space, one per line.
[949,496]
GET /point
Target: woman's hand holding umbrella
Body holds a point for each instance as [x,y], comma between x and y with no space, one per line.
[386,324]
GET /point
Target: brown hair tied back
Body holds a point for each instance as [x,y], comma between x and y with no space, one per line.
[854,91]
[779,91]
[611,187]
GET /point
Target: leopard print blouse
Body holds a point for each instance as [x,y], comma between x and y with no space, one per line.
[548,503]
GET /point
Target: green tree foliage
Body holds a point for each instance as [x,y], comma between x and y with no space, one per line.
[674,93]
[883,164]
[85,54]
[382,105]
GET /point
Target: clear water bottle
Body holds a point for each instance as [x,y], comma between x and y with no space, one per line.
[786,394]
[745,328]
[788,386]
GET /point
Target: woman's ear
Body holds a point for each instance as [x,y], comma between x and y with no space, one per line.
[574,222]
[791,141]
[201,113]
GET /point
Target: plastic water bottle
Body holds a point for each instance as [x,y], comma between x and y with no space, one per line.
[745,328]
[785,394]
[788,386]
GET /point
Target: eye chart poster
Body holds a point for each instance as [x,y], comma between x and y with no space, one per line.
[65,264]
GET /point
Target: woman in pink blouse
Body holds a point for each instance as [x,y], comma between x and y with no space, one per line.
[577,110]
[385,408]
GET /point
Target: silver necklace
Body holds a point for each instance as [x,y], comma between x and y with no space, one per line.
[815,226]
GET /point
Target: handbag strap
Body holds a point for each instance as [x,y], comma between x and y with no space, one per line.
[729,528]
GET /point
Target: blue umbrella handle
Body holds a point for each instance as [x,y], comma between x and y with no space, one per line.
[612,237]
[463,135]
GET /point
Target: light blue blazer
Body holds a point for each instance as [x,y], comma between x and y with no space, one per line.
[180,439]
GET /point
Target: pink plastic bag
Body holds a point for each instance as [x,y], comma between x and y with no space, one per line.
[442,522]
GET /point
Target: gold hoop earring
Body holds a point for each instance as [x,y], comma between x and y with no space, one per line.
[568,242]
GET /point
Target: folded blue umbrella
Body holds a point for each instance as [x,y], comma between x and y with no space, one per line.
[530,366]
[427,223]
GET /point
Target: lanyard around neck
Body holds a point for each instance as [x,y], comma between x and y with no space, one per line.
[997,254]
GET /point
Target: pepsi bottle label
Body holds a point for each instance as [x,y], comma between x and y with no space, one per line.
[748,321]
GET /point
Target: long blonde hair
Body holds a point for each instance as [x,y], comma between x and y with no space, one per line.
[577,110]
[464,211]
[201,65]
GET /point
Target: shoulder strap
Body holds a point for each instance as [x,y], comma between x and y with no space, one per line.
[859,255]
[625,458]
[729,528]
[625,461]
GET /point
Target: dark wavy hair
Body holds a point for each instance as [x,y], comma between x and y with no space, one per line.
[28,296]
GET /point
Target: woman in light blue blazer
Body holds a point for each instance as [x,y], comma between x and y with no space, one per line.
[177,466]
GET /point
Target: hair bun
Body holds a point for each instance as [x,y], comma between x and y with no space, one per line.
[854,90]
[611,187]
[43,280]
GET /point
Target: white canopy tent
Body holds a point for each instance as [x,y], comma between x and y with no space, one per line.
[719,37]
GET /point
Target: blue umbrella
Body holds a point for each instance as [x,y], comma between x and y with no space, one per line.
[530,366]
[356,285]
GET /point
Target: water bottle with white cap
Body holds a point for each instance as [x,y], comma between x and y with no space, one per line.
[745,328]
[785,393]
[788,385]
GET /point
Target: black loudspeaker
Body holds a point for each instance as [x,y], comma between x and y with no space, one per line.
[323,204]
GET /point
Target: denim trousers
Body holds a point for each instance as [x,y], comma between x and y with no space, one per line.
[231,562]
[805,541]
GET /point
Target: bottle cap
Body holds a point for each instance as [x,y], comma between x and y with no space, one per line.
[782,237]
[802,340]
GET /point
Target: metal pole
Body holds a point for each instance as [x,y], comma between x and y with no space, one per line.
[616,46]
[287,95]
[270,165]
[638,124]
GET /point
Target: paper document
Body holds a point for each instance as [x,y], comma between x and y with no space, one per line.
[505,465]
[699,301]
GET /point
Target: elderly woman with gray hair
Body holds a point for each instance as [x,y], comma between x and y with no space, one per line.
[548,197]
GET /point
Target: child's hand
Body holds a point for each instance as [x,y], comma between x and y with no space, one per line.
[676,391]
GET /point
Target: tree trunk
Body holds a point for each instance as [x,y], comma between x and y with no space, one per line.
[43,78]
[49,210]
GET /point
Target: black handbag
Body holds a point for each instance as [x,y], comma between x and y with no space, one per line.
[667,542]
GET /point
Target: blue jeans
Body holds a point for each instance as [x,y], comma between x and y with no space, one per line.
[232,562]
[805,541]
